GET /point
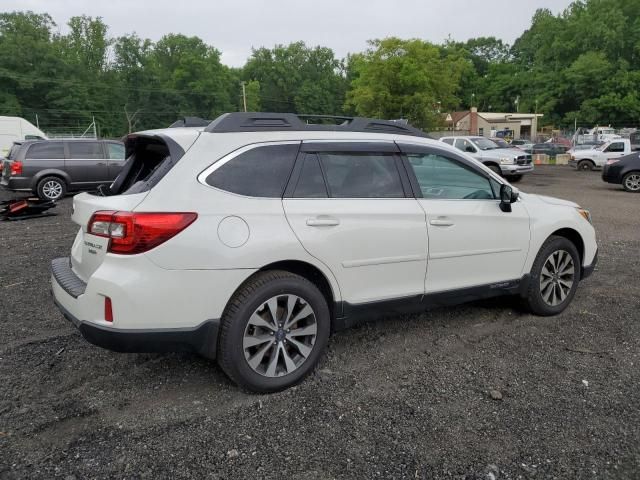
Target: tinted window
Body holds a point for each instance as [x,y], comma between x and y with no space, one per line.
[465,146]
[92,150]
[616,147]
[442,178]
[259,172]
[52,150]
[311,182]
[361,175]
[116,151]
[448,140]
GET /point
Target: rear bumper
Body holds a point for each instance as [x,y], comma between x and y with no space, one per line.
[21,184]
[68,291]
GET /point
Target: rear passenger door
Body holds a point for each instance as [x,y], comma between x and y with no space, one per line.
[351,207]
[86,163]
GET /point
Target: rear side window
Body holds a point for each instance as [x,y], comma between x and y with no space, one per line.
[260,172]
[311,182]
[448,140]
[85,150]
[361,175]
[116,151]
[13,153]
[48,150]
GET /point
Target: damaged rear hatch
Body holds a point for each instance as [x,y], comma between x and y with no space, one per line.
[150,156]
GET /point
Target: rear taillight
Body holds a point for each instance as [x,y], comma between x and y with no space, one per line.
[16,168]
[612,161]
[132,233]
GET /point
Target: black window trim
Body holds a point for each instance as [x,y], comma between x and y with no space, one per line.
[67,150]
[202,176]
[347,146]
[30,146]
[413,148]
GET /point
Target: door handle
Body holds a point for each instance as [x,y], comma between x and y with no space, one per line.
[323,222]
[440,222]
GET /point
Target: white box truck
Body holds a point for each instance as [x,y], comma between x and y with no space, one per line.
[16,129]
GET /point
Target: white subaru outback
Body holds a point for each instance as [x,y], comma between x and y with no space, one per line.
[252,239]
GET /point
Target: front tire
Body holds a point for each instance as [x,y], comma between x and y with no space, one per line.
[51,188]
[554,277]
[273,332]
[514,178]
[495,169]
[585,165]
[631,182]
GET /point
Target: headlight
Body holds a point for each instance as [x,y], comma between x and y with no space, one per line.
[507,160]
[585,214]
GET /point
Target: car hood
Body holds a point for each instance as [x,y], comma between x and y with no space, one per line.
[530,197]
[502,152]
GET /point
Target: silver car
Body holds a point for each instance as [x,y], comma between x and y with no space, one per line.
[511,163]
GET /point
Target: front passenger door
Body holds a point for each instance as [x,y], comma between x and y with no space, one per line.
[472,242]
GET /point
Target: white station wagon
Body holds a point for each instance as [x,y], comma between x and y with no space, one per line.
[254,238]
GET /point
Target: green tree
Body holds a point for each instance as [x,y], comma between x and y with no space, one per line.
[296,78]
[408,79]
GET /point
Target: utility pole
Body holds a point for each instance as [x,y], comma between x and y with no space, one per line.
[37,122]
[244,96]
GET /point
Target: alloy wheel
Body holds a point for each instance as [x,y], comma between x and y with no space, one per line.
[632,182]
[52,190]
[280,335]
[557,277]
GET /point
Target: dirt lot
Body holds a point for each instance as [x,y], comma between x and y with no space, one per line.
[401,398]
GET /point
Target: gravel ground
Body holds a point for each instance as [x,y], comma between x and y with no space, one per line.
[476,391]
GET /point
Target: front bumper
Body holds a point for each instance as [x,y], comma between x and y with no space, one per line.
[68,289]
[516,169]
[588,270]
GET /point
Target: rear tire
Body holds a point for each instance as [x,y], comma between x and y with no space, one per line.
[514,178]
[585,165]
[631,182]
[554,277]
[264,354]
[51,188]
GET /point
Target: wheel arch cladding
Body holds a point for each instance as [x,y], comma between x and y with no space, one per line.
[38,177]
[311,273]
[574,237]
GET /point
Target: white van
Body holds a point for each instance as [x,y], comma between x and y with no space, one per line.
[16,129]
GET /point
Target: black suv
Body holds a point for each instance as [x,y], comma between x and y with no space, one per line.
[50,168]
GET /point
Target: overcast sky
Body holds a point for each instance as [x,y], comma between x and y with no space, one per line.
[235,26]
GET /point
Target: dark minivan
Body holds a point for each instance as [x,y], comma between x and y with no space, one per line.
[51,168]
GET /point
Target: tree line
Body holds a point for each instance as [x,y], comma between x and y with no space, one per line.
[581,65]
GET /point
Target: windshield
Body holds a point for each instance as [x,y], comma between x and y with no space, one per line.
[501,143]
[485,144]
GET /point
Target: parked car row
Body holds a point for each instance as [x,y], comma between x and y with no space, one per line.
[510,163]
[51,168]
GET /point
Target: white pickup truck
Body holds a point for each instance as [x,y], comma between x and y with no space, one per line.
[597,157]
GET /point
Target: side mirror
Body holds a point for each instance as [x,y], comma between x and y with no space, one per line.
[470,149]
[508,195]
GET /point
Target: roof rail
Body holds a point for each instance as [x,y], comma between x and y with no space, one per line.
[190,122]
[271,122]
